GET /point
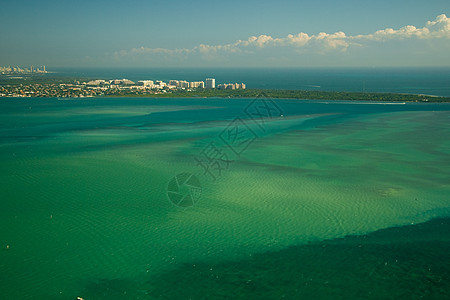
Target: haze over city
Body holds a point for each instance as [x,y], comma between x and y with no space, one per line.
[216,34]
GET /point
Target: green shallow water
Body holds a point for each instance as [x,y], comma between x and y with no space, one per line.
[85,212]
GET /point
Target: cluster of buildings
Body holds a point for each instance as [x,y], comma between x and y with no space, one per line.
[231,86]
[107,83]
[115,87]
[187,85]
[209,83]
[18,70]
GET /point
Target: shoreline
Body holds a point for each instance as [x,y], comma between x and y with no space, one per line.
[383,102]
[158,96]
[265,94]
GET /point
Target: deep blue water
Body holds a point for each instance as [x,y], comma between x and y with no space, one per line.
[430,81]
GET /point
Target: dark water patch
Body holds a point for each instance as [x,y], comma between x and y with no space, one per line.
[21,138]
[112,289]
[409,262]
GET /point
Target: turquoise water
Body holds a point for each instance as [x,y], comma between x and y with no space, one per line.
[84,208]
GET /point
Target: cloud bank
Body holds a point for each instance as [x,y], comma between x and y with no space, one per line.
[301,43]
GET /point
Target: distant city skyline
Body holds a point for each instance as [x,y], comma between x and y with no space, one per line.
[21,69]
[286,33]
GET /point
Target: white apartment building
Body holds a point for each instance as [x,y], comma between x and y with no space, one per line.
[210,83]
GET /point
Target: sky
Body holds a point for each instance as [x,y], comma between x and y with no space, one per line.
[232,33]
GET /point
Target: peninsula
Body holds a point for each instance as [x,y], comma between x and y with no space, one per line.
[75,88]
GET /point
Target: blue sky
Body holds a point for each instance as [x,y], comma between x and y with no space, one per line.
[224,33]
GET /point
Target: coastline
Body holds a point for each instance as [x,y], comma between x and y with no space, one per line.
[425,86]
[338,96]
[271,94]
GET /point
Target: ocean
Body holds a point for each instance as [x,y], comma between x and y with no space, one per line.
[147,198]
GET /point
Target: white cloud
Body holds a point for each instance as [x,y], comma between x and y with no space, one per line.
[320,43]
[439,28]
[298,40]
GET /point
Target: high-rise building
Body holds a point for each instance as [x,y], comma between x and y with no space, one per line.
[210,83]
[174,83]
[184,84]
[197,84]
